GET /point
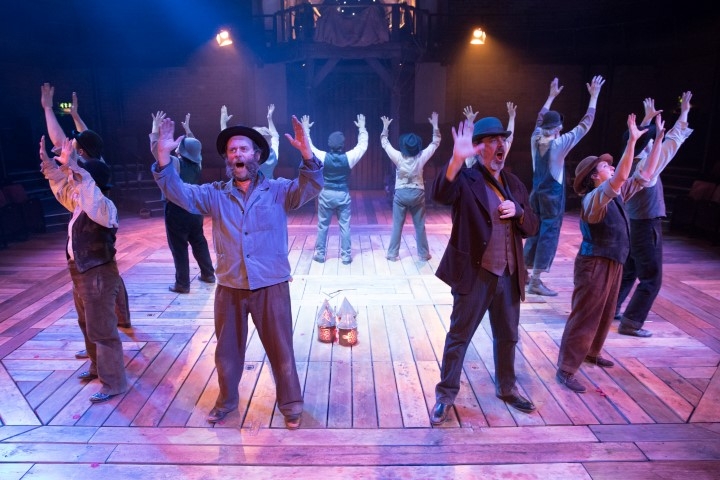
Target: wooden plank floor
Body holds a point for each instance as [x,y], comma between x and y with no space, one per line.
[654,415]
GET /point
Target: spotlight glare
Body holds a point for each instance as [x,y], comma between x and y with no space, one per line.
[223,38]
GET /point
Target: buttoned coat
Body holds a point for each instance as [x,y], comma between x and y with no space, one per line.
[472,225]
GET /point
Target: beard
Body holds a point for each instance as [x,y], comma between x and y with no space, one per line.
[252,167]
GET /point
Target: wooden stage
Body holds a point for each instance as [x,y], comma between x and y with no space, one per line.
[654,415]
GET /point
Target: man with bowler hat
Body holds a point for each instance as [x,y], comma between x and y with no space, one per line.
[249,223]
[483,259]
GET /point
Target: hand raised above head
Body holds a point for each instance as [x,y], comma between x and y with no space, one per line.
[166,143]
[463,147]
[301,141]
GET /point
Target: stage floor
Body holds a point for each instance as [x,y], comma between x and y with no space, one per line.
[654,415]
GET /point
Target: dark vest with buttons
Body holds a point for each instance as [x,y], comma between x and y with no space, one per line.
[336,172]
[93,244]
[609,238]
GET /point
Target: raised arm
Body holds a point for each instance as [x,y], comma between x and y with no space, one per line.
[55,131]
[79,123]
[650,112]
[652,161]
[186,127]
[555,89]
[356,153]
[622,171]
[594,88]
[274,135]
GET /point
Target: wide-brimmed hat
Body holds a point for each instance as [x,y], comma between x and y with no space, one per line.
[410,144]
[489,127]
[99,171]
[551,119]
[191,148]
[585,167]
[239,130]
[90,142]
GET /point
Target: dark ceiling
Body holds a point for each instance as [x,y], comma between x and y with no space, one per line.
[164,32]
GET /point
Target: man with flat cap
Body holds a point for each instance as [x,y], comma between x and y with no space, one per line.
[483,259]
[547,198]
[249,225]
[604,249]
[409,185]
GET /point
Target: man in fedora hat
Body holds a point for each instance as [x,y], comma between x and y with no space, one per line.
[605,247]
[334,199]
[547,197]
[646,211]
[249,223]
[409,185]
[270,133]
[182,227]
[483,259]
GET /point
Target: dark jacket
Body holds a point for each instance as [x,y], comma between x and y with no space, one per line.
[472,225]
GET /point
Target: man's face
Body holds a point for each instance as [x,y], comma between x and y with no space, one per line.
[491,151]
[243,162]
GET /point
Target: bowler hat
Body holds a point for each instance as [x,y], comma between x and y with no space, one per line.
[585,167]
[89,141]
[551,119]
[410,144]
[99,171]
[488,127]
[239,130]
[190,148]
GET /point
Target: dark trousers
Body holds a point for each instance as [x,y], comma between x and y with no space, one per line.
[272,315]
[645,264]
[500,297]
[183,228]
[95,293]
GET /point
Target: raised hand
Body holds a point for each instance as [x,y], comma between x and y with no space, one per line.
[301,141]
[360,123]
[44,157]
[386,122]
[434,120]
[166,144]
[511,109]
[66,152]
[74,105]
[633,131]
[271,109]
[186,124]
[685,101]
[224,117]
[157,119]
[306,123]
[595,85]
[47,92]
[463,147]
[555,88]
[469,114]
